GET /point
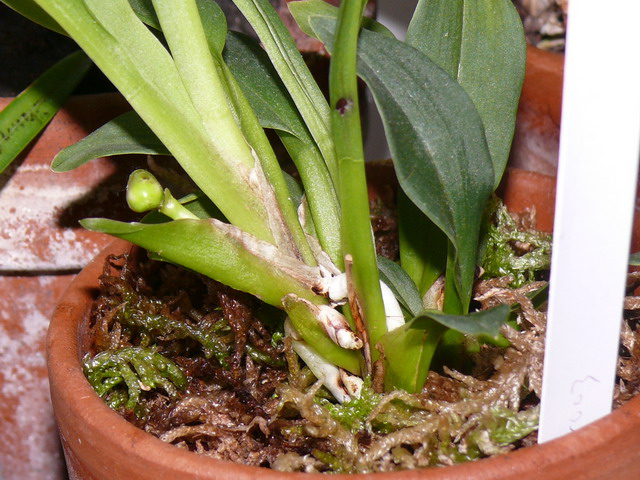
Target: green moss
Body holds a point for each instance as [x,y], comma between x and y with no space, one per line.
[138,368]
[353,414]
[510,250]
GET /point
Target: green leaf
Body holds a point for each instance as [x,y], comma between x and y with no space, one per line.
[634,259]
[484,322]
[409,349]
[436,139]
[293,71]
[253,71]
[34,12]
[222,252]
[423,246]
[275,109]
[408,353]
[302,11]
[31,111]
[213,19]
[400,284]
[145,12]
[140,67]
[124,135]
[214,24]
[481,44]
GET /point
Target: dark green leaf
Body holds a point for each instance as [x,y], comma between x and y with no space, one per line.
[485,322]
[294,73]
[409,349]
[400,284]
[213,19]
[126,134]
[259,81]
[481,44]
[214,24]
[423,246]
[31,111]
[145,12]
[436,139]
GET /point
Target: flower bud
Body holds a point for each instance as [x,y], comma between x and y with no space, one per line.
[144,192]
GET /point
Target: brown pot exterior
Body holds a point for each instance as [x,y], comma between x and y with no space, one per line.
[100,445]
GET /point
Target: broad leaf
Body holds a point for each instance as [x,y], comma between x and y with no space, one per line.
[436,139]
[481,44]
[423,246]
[126,134]
[31,111]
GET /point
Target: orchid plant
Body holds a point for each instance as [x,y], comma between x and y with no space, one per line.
[447,96]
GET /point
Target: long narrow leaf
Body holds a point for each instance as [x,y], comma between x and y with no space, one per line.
[31,10]
[124,135]
[275,109]
[221,252]
[141,68]
[31,111]
[294,73]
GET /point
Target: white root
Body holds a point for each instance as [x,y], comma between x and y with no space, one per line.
[342,385]
[338,328]
[335,288]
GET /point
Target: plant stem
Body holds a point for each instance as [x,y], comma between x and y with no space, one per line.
[345,123]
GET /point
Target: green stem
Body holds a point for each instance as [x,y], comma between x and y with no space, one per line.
[354,200]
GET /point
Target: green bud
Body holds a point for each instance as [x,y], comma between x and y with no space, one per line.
[144,192]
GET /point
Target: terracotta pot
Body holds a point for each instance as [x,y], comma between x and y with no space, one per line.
[537,137]
[100,445]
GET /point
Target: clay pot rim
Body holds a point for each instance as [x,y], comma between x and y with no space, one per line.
[78,399]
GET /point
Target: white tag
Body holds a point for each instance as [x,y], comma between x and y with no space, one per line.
[597,176]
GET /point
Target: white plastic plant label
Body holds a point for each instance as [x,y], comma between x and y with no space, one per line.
[597,177]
